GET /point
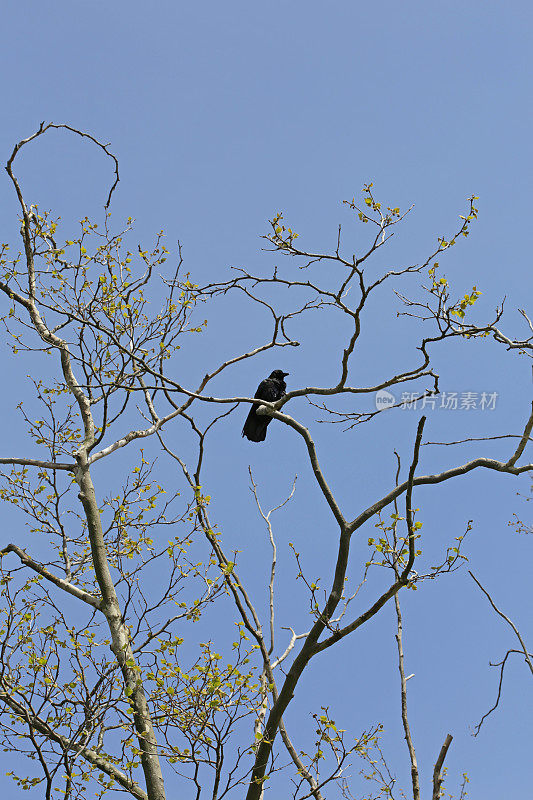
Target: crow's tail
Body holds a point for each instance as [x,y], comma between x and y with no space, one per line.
[255,427]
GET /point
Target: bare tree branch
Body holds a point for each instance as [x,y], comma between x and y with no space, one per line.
[34,462]
[527,657]
[70,588]
[437,771]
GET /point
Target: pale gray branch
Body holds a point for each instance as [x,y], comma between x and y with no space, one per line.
[35,462]
[61,583]
[437,771]
[403,691]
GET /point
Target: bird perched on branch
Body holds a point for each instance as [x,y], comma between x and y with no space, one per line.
[271,389]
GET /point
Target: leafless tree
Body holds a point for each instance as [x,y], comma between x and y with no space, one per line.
[93,682]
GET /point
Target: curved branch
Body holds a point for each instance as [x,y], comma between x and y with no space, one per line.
[43,127]
[488,463]
[437,772]
[61,583]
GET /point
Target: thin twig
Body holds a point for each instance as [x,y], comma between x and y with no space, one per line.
[508,621]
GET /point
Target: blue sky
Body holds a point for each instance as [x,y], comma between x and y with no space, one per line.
[222,115]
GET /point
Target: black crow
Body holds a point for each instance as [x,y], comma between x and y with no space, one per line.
[271,389]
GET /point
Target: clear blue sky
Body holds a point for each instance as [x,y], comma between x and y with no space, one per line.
[222,114]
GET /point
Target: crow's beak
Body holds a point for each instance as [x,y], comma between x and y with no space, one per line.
[286,373]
